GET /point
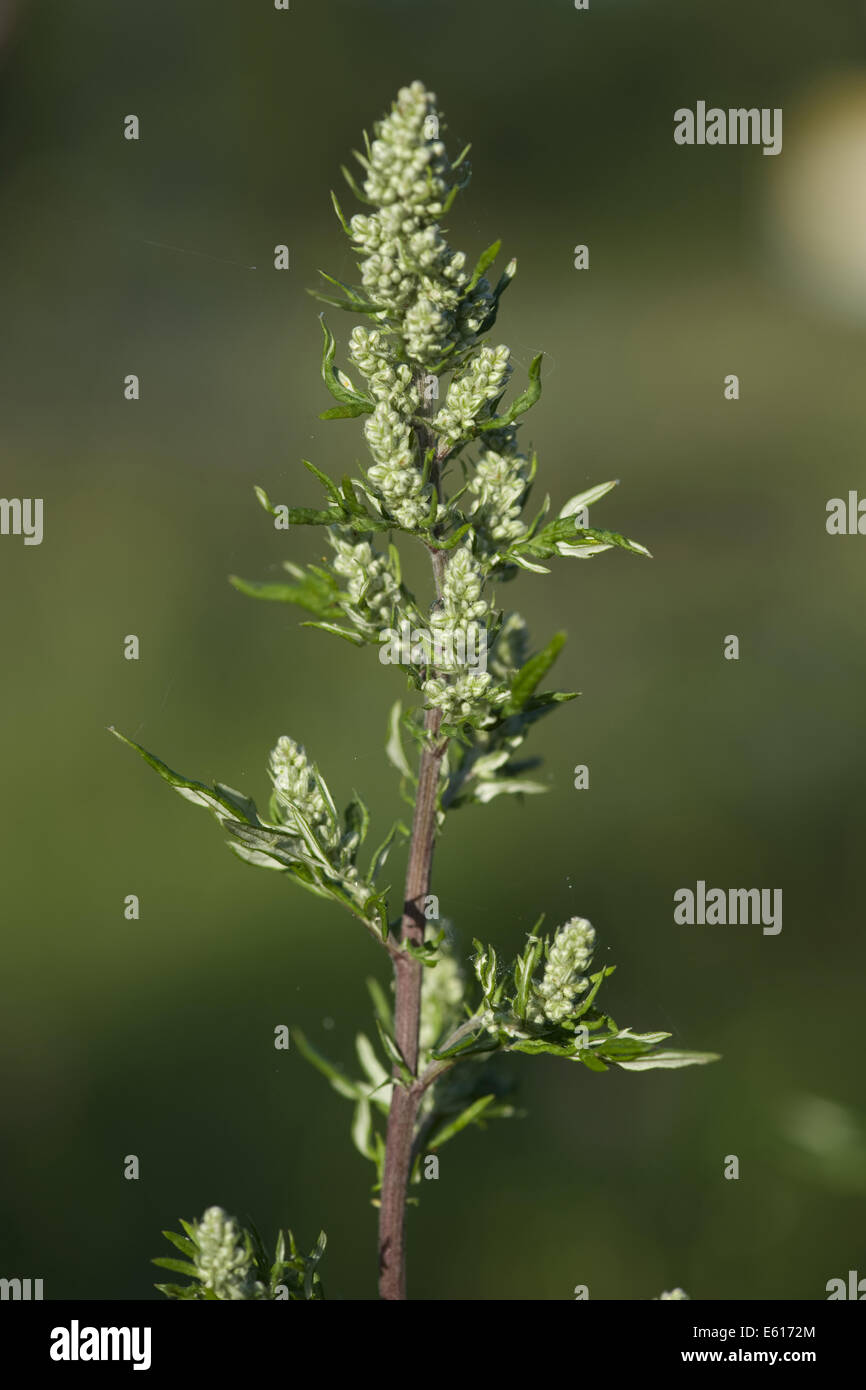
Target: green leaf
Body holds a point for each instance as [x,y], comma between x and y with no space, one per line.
[484,260]
[523,402]
[225,804]
[344,412]
[524,681]
[668,1058]
[478,1042]
[485,791]
[265,501]
[357,818]
[314,593]
[186,1247]
[180,1291]
[610,538]
[458,535]
[590,1061]
[177,1266]
[339,211]
[524,969]
[351,298]
[299,516]
[596,982]
[362,404]
[312,1283]
[362,198]
[341,1083]
[362,1129]
[377,1074]
[381,854]
[586,499]
[394,746]
[327,483]
[562,537]
[381,1006]
[376,910]
[471,1115]
[394,1054]
[349,634]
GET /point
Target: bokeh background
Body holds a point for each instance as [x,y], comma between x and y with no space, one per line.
[155,1037]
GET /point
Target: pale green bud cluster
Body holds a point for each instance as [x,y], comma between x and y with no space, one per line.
[389,380]
[408,269]
[370,583]
[675,1295]
[461,600]
[470,693]
[498,485]
[570,953]
[480,382]
[222,1259]
[395,473]
[297,786]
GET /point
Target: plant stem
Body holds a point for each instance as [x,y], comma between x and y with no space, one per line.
[408,971]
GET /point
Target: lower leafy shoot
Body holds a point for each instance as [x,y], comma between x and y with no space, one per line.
[543,1004]
[229,1264]
[304,836]
[556,1013]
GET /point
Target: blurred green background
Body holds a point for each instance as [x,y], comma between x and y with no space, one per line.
[155,1037]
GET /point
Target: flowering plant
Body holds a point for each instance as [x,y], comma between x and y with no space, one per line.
[450,475]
